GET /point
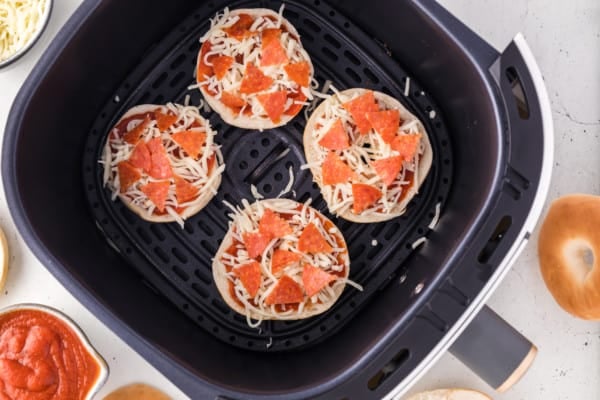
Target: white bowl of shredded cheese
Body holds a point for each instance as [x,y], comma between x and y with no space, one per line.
[21,24]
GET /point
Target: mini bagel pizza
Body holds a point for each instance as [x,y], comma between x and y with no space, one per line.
[162,162]
[281,260]
[253,70]
[368,154]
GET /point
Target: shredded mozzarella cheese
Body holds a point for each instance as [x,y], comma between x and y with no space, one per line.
[20,20]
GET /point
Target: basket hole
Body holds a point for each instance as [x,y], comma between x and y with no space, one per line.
[205,228]
[221,306]
[352,58]
[323,328]
[265,142]
[311,25]
[178,61]
[184,276]
[161,254]
[306,338]
[159,81]
[278,177]
[267,188]
[330,54]
[289,165]
[388,369]
[352,74]
[207,246]
[254,153]
[371,76]
[346,24]
[144,235]
[179,255]
[331,40]
[202,276]
[157,232]
[243,165]
[287,343]
[518,92]
[176,79]
[317,2]
[495,239]
[332,13]
[445,181]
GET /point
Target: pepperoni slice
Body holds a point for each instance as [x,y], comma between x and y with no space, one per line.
[335,170]
[157,192]
[221,65]
[315,279]
[299,72]
[140,157]
[128,175]
[359,107]
[250,276]
[336,137]
[272,225]
[165,121]
[406,145]
[282,259]
[364,197]
[161,166]
[241,29]
[184,190]
[272,52]
[133,136]
[311,241]
[386,123]
[298,99]
[273,103]
[388,168]
[190,141]
[203,70]
[255,243]
[254,80]
[286,291]
[232,101]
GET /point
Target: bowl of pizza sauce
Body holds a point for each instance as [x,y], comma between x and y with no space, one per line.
[44,355]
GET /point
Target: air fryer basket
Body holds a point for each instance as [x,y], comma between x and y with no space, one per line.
[483,111]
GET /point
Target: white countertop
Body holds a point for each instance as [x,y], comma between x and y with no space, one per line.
[565,39]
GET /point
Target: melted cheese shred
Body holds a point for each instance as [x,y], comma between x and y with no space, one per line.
[363,150]
[20,20]
[246,220]
[194,171]
[247,51]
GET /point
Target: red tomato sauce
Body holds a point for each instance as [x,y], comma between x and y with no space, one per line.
[42,358]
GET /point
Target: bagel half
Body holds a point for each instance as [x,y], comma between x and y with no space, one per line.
[165,180]
[569,253]
[450,394]
[281,260]
[259,76]
[332,137]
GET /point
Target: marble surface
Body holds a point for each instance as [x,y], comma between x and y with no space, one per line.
[565,39]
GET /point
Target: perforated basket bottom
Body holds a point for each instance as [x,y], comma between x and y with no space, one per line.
[177,262]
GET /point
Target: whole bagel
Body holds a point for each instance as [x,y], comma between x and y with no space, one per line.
[569,249]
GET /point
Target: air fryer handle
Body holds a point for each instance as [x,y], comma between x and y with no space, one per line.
[494,350]
[529,130]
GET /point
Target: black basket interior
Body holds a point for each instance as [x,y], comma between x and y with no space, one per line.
[151,284]
[168,256]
